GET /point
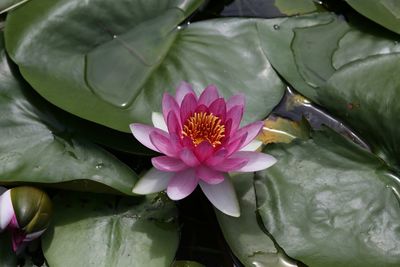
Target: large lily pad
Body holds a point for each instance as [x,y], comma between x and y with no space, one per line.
[36,147]
[364,94]
[246,238]
[307,50]
[94,230]
[328,202]
[112,65]
[384,12]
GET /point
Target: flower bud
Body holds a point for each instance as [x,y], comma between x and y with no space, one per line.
[26,212]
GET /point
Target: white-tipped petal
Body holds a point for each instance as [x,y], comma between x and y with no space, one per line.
[222,196]
[158,121]
[6,210]
[256,161]
[152,182]
[252,146]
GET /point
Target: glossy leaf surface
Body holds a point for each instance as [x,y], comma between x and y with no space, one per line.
[113,64]
[36,147]
[98,230]
[328,202]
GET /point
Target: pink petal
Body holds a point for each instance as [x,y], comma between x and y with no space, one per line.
[203,151]
[6,210]
[182,184]
[209,95]
[217,157]
[162,143]
[168,164]
[188,157]
[183,89]
[236,143]
[222,196]
[201,108]
[256,161]
[152,181]
[236,100]
[189,104]
[231,164]
[173,123]
[252,130]
[169,104]
[142,134]
[17,238]
[235,114]
[218,108]
[209,175]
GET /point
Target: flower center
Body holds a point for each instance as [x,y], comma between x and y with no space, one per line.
[204,126]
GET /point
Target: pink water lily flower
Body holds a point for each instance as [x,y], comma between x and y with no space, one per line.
[202,142]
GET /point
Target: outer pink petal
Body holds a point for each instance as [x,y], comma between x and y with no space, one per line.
[236,143]
[252,130]
[209,95]
[183,89]
[152,181]
[142,134]
[236,115]
[203,151]
[208,175]
[168,164]
[236,100]
[188,157]
[189,104]
[256,161]
[231,164]
[218,108]
[162,143]
[182,184]
[222,196]
[169,104]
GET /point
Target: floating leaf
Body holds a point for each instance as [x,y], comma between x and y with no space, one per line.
[98,230]
[244,235]
[36,147]
[328,202]
[364,94]
[296,7]
[112,65]
[384,12]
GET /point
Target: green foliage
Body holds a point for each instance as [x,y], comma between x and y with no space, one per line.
[97,230]
[36,146]
[327,202]
[152,54]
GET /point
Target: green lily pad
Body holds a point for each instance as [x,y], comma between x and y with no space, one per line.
[296,7]
[328,202]
[98,230]
[384,12]
[364,94]
[276,36]
[36,147]
[244,235]
[112,65]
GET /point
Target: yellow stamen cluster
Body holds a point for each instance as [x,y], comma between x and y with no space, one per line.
[204,126]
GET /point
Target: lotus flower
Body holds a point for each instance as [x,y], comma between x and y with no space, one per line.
[25,211]
[202,142]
